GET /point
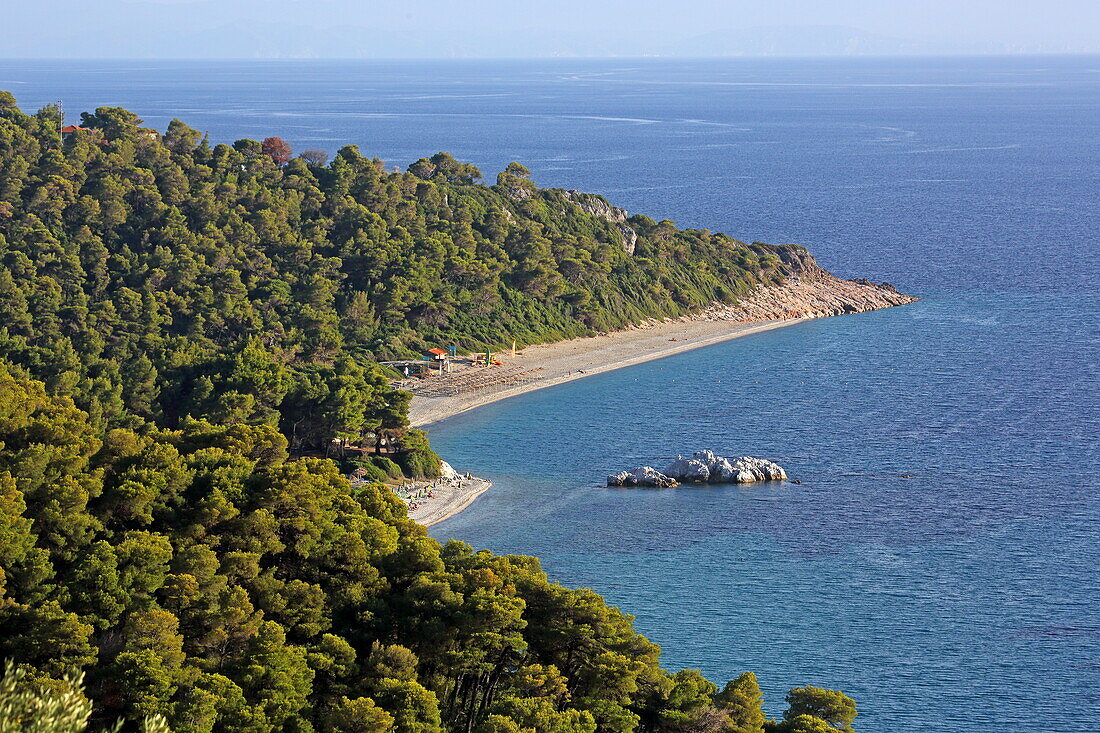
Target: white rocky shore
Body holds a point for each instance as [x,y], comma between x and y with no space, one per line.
[703,467]
[430,502]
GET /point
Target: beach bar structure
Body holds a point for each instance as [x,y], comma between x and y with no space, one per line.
[440,358]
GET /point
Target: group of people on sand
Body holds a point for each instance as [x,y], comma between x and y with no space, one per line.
[415,498]
[414,501]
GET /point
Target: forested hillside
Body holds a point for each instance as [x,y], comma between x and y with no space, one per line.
[199,575]
[160,277]
[175,317]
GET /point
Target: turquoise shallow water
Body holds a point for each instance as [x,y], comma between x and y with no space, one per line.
[962,599]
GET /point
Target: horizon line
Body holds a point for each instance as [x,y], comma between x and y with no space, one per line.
[644,57]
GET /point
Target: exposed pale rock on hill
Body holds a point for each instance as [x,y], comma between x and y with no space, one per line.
[595,205]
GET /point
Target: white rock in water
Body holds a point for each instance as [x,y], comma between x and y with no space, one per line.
[722,471]
[644,476]
[446,473]
[689,469]
[758,469]
[706,467]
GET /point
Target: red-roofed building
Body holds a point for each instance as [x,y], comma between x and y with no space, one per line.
[68,130]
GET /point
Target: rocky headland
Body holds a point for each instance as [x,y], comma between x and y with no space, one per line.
[807,291]
[797,289]
[702,467]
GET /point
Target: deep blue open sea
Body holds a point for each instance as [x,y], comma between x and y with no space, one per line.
[965,598]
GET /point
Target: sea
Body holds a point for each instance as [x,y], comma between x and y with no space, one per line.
[940,559]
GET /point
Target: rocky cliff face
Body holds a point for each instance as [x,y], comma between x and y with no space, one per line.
[797,260]
[597,206]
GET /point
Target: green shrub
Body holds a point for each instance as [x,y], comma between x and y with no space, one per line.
[417,459]
[30,706]
[366,469]
[388,467]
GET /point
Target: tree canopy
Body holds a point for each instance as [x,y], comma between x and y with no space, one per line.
[158,277]
[180,324]
[198,575]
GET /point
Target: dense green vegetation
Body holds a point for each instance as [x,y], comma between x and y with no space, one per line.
[176,320]
[199,575]
[156,277]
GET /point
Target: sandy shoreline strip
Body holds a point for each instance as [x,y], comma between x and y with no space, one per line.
[449,501]
[561,362]
[564,361]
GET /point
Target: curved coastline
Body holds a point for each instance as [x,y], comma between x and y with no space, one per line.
[565,361]
[598,354]
[808,292]
[814,293]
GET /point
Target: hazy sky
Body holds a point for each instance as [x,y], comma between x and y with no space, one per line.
[250,28]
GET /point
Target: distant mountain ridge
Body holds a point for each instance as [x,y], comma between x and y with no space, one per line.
[287,41]
[278,40]
[816,40]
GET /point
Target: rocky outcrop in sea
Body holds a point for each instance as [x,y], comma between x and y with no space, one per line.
[702,467]
[643,476]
